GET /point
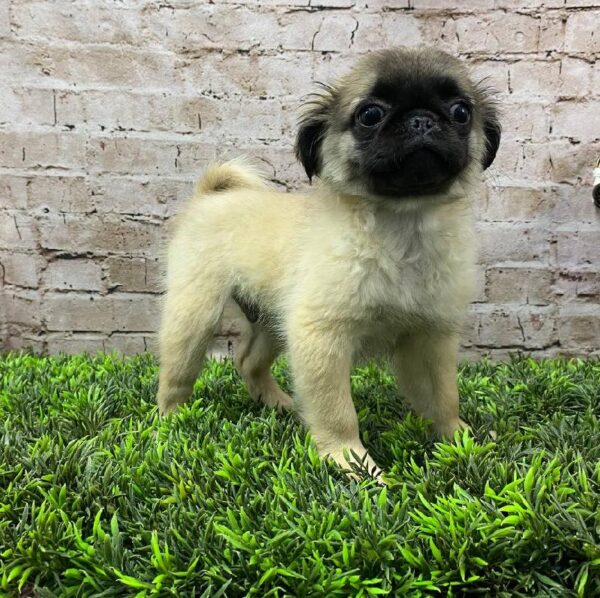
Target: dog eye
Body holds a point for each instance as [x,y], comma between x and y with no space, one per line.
[370,115]
[460,112]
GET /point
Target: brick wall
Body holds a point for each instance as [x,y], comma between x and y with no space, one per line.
[109,110]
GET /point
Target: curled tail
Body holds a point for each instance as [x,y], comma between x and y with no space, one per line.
[234,174]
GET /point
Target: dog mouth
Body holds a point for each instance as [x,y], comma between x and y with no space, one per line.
[420,171]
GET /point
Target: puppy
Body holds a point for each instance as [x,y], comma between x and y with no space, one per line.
[376,261]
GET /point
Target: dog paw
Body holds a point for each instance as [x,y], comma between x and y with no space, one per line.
[447,429]
[277,399]
[357,463]
[166,409]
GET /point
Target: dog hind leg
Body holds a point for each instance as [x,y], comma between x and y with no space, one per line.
[191,315]
[256,351]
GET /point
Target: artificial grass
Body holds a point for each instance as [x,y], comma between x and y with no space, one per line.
[100,497]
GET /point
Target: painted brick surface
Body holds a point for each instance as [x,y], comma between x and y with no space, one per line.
[109,112]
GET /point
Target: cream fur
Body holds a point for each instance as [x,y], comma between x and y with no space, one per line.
[339,279]
[337,275]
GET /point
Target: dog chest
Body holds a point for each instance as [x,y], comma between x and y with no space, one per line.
[405,279]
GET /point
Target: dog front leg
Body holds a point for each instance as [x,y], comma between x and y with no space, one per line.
[321,359]
[426,371]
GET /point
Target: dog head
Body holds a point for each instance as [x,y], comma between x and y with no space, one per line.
[403,123]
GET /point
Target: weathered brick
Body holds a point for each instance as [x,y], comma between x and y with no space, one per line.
[472,353]
[525,120]
[47,149]
[126,110]
[480,285]
[58,193]
[190,157]
[552,203]
[248,74]
[573,203]
[125,155]
[525,161]
[198,26]
[12,65]
[492,74]
[577,120]
[595,76]
[327,66]
[519,4]
[560,161]
[581,3]
[108,115]
[384,30]
[135,155]
[24,338]
[33,106]
[501,242]
[100,233]
[578,248]
[552,33]
[4,18]
[572,162]
[73,275]
[127,344]
[262,119]
[138,275]
[467,6]
[504,355]
[519,203]
[332,3]
[335,33]
[532,79]
[18,230]
[489,34]
[155,197]
[13,192]
[222,348]
[578,285]
[22,307]
[529,327]
[84,312]
[579,327]
[299,31]
[59,64]
[276,161]
[507,284]
[276,3]
[581,33]
[442,29]
[21,269]
[575,77]
[116,24]
[76,343]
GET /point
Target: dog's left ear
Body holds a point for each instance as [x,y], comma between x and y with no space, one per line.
[493,131]
[313,125]
[491,124]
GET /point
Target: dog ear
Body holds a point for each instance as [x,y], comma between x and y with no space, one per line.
[493,131]
[308,146]
[313,125]
[491,124]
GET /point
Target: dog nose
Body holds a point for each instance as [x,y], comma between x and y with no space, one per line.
[421,124]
